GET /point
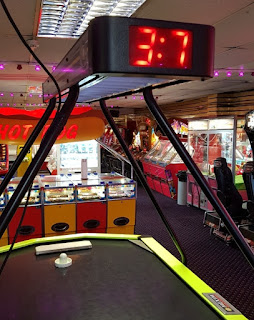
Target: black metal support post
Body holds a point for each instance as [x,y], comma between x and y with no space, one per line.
[141,177]
[28,145]
[47,142]
[194,170]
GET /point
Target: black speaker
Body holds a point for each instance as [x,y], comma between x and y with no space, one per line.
[114,113]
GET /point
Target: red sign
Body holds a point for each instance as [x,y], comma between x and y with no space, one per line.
[15,129]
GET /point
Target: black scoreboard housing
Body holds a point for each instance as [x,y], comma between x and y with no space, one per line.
[103,51]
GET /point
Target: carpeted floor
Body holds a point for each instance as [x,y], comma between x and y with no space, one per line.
[222,267]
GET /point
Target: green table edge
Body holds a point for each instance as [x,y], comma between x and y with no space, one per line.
[187,276]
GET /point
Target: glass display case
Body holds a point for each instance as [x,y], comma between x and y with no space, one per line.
[44,179]
[153,152]
[165,146]
[58,189]
[209,139]
[121,188]
[171,156]
[86,192]
[35,195]
[90,189]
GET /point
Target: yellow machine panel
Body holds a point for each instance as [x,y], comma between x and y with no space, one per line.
[123,230]
[121,213]
[60,219]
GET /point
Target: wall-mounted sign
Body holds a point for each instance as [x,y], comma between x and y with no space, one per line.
[16,128]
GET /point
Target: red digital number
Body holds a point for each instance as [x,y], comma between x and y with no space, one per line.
[151,36]
[185,38]
[160,48]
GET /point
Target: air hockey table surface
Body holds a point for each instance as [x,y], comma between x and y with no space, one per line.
[120,277]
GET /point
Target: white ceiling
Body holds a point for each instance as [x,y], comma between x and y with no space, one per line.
[233,21]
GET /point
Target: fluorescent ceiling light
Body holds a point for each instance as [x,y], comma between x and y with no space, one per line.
[70,18]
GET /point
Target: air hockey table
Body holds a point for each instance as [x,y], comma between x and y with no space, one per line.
[120,277]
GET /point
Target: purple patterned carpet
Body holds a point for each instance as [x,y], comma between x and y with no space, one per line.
[221,266]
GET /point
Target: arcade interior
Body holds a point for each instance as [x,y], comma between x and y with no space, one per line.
[127,159]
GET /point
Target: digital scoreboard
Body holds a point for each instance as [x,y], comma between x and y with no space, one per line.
[160,47]
[117,54]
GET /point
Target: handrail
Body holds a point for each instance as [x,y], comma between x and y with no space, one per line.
[117,155]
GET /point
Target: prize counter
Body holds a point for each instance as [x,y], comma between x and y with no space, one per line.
[65,204]
[118,277]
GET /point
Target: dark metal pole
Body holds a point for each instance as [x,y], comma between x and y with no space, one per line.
[218,206]
[28,145]
[47,142]
[141,177]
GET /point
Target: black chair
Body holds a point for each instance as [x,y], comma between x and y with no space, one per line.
[227,192]
[248,178]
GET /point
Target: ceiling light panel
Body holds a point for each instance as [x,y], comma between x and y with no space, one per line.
[70,18]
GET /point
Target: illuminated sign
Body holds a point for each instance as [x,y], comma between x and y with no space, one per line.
[16,129]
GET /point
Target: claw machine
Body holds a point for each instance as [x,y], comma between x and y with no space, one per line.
[32,226]
[209,139]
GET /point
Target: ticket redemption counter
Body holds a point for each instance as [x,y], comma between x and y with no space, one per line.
[161,165]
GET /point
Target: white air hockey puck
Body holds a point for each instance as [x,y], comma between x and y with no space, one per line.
[63,261]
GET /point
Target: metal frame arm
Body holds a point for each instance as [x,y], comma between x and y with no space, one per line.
[28,145]
[141,177]
[216,203]
[46,144]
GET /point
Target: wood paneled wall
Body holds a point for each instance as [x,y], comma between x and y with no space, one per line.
[215,105]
